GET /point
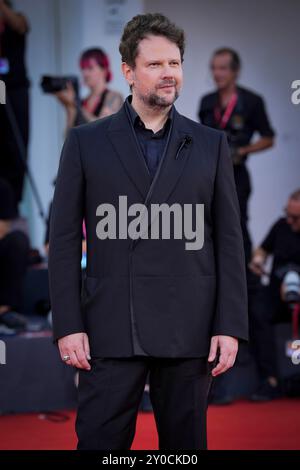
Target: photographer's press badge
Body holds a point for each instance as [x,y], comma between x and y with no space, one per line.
[237,122]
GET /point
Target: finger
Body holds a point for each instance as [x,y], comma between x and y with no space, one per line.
[231,361]
[222,367]
[254,270]
[70,86]
[219,369]
[74,360]
[213,349]
[222,364]
[255,267]
[64,353]
[259,270]
[82,360]
[86,347]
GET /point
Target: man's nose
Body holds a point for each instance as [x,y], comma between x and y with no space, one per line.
[168,72]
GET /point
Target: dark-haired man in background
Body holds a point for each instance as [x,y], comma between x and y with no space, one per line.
[240,113]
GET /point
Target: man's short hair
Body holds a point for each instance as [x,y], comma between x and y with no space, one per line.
[235,63]
[141,26]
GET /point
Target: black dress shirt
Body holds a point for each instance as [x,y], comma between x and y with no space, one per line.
[152,145]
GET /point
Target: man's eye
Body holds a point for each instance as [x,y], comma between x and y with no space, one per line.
[153,64]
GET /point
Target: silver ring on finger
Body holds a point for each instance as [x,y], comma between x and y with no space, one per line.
[66,358]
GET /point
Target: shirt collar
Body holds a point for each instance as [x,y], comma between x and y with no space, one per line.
[135,118]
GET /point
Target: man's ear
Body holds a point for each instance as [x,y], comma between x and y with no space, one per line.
[127,72]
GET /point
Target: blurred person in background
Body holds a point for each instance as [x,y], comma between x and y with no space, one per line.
[13,30]
[283,243]
[101,101]
[240,113]
[14,258]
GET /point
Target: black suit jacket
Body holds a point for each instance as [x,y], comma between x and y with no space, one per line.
[178,298]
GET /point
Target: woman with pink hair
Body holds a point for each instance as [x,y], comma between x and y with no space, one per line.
[101,101]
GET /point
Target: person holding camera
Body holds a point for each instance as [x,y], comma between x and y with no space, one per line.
[240,113]
[13,30]
[101,101]
[283,243]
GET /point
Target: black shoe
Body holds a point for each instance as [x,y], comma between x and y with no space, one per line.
[13,320]
[266,392]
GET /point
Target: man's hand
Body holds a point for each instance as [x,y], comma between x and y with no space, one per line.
[228,350]
[77,347]
[4,228]
[258,260]
[257,266]
[67,96]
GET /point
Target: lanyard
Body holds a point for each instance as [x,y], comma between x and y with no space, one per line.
[99,105]
[223,120]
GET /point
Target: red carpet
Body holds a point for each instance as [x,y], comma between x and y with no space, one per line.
[242,425]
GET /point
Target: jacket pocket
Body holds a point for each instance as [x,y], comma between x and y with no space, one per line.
[91,287]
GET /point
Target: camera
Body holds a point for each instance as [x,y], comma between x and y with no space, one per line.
[290,277]
[291,287]
[52,84]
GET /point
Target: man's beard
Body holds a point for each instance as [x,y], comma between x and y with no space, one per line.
[153,100]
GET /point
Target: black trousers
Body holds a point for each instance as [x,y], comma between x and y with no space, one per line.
[110,393]
[14,256]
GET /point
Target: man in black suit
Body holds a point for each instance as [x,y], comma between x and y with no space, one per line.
[152,300]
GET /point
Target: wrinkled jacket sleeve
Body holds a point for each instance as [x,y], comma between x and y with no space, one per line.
[65,245]
[231,315]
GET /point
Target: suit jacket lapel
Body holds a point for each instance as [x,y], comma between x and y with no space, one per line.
[124,142]
[170,169]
